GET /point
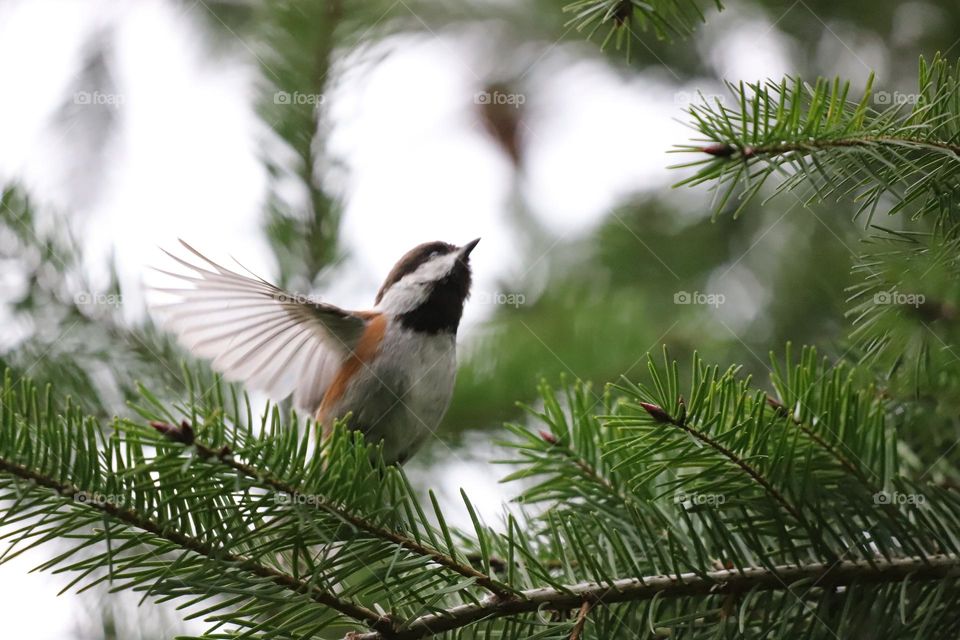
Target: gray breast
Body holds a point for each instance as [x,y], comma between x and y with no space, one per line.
[403,395]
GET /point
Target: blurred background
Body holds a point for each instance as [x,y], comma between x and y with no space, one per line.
[316,142]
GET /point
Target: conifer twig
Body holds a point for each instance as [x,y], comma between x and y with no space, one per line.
[137,520]
[224,456]
[581,620]
[725,581]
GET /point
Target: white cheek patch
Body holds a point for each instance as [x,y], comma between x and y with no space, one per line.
[434,269]
[403,296]
[412,290]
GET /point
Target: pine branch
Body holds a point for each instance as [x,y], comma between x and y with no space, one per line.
[563,433]
[903,309]
[748,152]
[871,485]
[820,142]
[662,417]
[208,507]
[131,517]
[223,455]
[295,44]
[581,620]
[239,528]
[619,20]
[725,581]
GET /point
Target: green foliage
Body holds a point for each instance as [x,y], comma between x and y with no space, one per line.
[904,314]
[904,310]
[712,481]
[819,505]
[185,524]
[65,330]
[903,158]
[817,138]
[778,466]
[619,20]
[610,298]
[295,47]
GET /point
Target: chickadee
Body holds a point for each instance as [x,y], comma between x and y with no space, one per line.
[392,368]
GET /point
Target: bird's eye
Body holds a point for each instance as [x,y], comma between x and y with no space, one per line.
[434,254]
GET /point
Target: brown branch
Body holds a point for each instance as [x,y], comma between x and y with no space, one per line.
[591,473]
[130,517]
[727,150]
[723,582]
[659,415]
[846,463]
[581,620]
[500,565]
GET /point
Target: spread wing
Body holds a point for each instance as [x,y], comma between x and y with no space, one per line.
[255,332]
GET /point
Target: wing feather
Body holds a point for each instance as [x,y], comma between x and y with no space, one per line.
[255,332]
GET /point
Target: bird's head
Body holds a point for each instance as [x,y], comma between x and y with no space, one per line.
[427,287]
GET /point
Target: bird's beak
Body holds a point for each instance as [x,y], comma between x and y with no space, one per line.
[467,248]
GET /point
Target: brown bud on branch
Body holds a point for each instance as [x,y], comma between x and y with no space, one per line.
[182,433]
[656,412]
[777,406]
[548,437]
[720,150]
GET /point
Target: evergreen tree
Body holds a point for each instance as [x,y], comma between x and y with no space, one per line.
[690,500]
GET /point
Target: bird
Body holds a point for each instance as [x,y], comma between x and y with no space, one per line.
[391,368]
